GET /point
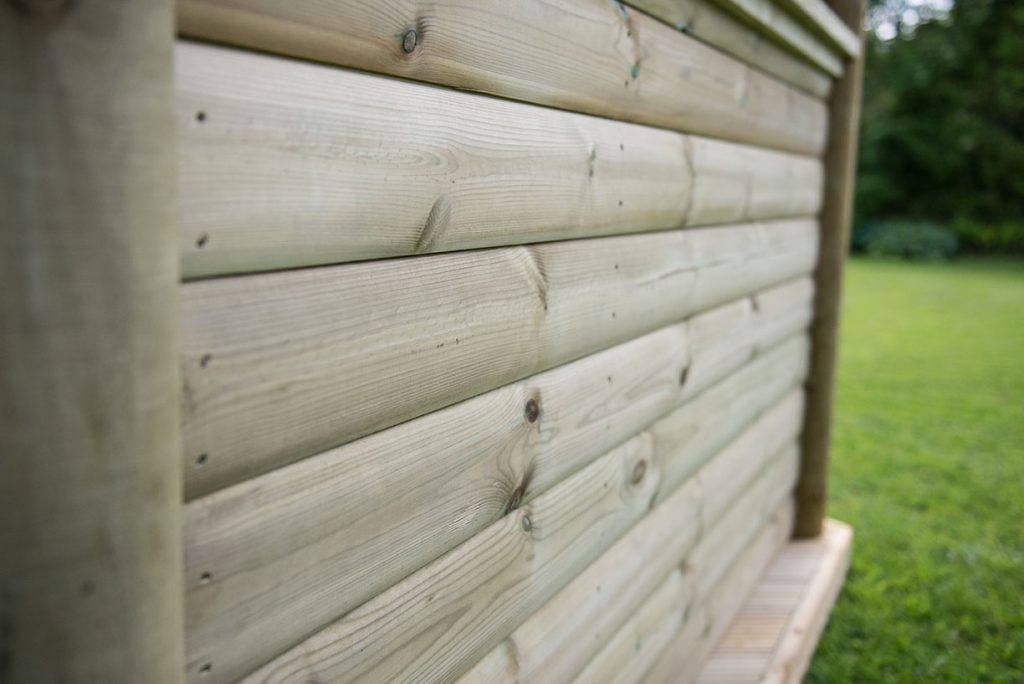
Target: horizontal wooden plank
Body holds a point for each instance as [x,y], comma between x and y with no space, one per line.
[704,20]
[280,366]
[558,641]
[774,184]
[589,56]
[635,648]
[440,620]
[820,17]
[681,660]
[686,421]
[773,637]
[285,164]
[778,25]
[724,338]
[275,558]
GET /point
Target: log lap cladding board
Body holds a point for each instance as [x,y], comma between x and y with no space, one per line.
[503,337]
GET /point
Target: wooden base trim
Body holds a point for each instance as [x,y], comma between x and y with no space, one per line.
[774,636]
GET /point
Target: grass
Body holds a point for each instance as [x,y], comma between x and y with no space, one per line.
[928,466]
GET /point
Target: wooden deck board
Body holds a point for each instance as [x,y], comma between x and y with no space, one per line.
[774,636]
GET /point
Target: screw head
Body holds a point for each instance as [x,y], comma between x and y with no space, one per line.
[410,39]
[527,523]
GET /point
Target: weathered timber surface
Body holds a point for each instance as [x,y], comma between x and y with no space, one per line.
[559,640]
[90,481]
[285,164]
[704,20]
[633,651]
[589,56]
[682,660]
[825,22]
[280,366]
[360,518]
[782,27]
[773,637]
[440,620]
[836,213]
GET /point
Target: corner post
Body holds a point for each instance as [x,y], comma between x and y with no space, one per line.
[834,225]
[90,482]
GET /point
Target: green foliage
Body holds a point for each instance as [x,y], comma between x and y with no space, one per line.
[911,240]
[942,135]
[1006,237]
[927,466]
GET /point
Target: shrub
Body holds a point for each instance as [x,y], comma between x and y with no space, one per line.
[912,240]
[863,232]
[1006,237]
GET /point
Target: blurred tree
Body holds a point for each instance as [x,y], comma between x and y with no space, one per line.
[942,136]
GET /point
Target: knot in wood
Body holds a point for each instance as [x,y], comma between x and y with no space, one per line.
[410,39]
[532,411]
[639,470]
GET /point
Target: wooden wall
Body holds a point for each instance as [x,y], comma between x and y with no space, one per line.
[493,325]
[494,329]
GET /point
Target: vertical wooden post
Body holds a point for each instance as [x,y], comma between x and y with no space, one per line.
[840,171]
[90,488]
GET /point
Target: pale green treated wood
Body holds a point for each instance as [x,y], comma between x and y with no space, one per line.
[589,56]
[90,479]
[281,366]
[706,21]
[285,164]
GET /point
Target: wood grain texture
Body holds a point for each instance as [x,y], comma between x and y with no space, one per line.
[589,56]
[278,367]
[440,620]
[773,637]
[669,432]
[681,661]
[704,20]
[636,647]
[836,214]
[559,640]
[90,481]
[826,23]
[723,339]
[285,164]
[777,24]
[273,559]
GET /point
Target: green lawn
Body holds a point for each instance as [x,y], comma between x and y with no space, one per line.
[928,467]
